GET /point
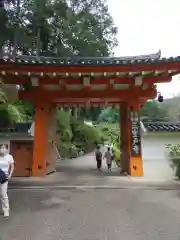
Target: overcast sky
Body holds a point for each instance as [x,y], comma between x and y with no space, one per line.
[147,26]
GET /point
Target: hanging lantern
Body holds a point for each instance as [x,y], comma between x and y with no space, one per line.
[160,97]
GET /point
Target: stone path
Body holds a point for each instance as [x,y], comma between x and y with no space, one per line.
[84,213]
[82,172]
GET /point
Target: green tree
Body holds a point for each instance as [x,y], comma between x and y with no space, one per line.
[61,28]
[4,20]
[153,109]
[91,113]
[172,106]
[110,115]
[10,112]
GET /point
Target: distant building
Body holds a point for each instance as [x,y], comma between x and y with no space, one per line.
[155,136]
[20,145]
[20,139]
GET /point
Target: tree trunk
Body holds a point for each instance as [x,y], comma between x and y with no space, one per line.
[38,42]
[15,40]
[75,112]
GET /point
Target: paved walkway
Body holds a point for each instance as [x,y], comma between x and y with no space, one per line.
[83,213]
[92,215]
[82,172]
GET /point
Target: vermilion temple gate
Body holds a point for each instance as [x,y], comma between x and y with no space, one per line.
[127,81]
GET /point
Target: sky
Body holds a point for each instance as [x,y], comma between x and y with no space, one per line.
[146,27]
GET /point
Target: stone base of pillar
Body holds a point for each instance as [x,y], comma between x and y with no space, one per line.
[136,167]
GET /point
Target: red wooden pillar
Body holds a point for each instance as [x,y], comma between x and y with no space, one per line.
[124,138]
[41,124]
[136,163]
[130,143]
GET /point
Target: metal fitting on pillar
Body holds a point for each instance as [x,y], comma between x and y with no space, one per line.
[135,167]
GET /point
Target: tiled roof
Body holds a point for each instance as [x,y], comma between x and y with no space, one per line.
[162,127]
[88,61]
[16,128]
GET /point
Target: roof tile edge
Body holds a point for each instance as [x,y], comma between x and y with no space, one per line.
[153,56]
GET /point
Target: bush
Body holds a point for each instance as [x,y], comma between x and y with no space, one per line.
[85,136]
[174,157]
[63,126]
[105,129]
[75,137]
[117,155]
[68,150]
[110,132]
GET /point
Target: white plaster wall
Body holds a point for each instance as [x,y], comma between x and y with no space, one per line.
[31,130]
[154,154]
[6,139]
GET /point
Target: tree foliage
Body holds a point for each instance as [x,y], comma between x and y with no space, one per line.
[172,107]
[9,112]
[109,115]
[153,109]
[59,28]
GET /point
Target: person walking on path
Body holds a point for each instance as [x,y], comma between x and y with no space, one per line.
[109,157]
[98,155]
[6,171]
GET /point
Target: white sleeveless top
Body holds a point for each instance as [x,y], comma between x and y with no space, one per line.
[5,161]
[108,157]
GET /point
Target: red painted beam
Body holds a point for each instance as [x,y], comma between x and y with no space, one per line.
[93,102]
[85,103]
[116,80]
[88,102]
[16,80]
[74,81]
[55,96]
[158,79]
[57,80]
[20,79]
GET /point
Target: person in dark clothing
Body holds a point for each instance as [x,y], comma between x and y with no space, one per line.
[98,155]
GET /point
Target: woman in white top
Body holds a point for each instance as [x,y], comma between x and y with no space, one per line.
[7,166]
[108,156]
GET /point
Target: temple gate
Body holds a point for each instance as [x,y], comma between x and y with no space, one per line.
[126,81]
